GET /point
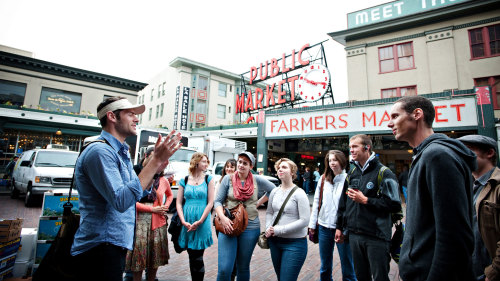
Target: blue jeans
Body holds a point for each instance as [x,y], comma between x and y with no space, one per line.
[307,186]
[237,250]
[326,246]
[288,256]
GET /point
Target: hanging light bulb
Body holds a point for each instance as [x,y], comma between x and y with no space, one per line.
[59,132]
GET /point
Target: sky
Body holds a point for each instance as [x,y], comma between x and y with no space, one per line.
[137,40]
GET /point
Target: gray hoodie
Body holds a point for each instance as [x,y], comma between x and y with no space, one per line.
[438,241]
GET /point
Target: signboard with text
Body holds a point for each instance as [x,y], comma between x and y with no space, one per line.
[184,108]
[176,107]
[394,10]
[461,112]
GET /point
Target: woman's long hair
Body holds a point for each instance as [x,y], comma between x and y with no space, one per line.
[340,156]
[229,161]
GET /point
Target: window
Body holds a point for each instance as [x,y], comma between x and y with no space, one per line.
[157,111]
[399,92]
[159,91]
[203,83]
[59,100]
[12,93]
[201,107]
[163,89]
[485,41]
[140,118]
[494,83]
[152,93]
[396,57]
[161,110]
[222,90]
[221,111]
[150,113]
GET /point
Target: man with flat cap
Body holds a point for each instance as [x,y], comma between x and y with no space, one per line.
[486,195]
[108,189]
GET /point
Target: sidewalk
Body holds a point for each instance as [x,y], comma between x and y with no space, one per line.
[261,267]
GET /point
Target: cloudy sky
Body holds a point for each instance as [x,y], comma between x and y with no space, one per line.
[138,39]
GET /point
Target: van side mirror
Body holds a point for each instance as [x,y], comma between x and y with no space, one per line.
[25,163]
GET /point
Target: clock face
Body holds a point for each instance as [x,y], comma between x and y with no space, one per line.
[313,82]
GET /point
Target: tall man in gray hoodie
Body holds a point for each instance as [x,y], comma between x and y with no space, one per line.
[438,241]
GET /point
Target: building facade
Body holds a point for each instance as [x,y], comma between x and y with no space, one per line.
[190,95]
[420,47]
[45,103]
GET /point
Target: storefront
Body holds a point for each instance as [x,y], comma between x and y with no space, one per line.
[306,134]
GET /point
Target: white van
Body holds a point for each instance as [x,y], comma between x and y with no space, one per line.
[40,170]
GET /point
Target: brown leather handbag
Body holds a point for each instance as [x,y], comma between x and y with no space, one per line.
[238,215]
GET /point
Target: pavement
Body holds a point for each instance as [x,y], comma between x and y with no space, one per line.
[177,269]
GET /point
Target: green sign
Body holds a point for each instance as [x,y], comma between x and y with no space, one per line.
[394,10]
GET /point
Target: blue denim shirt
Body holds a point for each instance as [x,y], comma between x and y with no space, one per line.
[108,189]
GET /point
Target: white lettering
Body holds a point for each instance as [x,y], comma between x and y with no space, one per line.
[398,5]
[387,11]
[361,17]
[375,15]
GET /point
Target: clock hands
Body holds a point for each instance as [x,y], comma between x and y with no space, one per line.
[314,83]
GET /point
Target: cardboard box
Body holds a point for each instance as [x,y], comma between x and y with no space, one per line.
[8,248]
[8,261]
[53,203]
[8,225]
[6,273]
[22,268]
[28,244]
[48,228]
[10,235]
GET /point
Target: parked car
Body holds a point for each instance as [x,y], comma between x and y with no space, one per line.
[40,170]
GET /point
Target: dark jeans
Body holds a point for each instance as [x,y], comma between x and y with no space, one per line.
[196,265]
[307,184]
[104,262]
[288,256]
[371,257]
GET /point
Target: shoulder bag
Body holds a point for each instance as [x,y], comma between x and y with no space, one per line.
[314,237]
[238,215]
[58,263]
[262,242]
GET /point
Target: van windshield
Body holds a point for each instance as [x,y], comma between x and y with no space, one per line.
[182,155]
[56,159]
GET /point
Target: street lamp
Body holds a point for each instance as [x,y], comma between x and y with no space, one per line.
[59,132]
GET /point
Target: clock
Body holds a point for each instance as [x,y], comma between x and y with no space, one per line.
[313,82]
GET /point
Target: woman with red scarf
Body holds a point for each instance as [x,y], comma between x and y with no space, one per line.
[247,188]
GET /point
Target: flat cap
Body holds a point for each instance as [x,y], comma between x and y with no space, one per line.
[248,155]
[479,140]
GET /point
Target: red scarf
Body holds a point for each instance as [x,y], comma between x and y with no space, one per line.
[242,193]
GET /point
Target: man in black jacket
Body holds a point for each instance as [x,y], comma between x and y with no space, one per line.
[370,195]
[438,240]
